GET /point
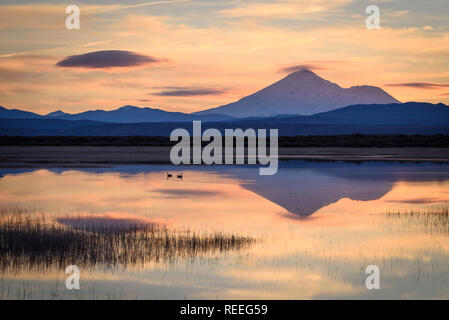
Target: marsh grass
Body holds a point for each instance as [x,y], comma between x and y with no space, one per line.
[432,219]
[30,241]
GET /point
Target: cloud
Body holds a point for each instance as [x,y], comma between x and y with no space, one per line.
[119,83]
[25,56]
[9,74]
[284,9]
[107,59]
[154,3]
[397,13]
[110,8]
[317,65]
[419,85]
[42,16]
[51,16]
[300,67]
[188,91]
[96,43]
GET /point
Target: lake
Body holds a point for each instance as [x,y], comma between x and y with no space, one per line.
[308,232]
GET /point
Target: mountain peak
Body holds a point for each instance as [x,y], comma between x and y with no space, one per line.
[303,73]
[128,107]
[56,113]
[302,92]
[305,79]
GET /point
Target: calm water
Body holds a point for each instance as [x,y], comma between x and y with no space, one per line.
[317,226]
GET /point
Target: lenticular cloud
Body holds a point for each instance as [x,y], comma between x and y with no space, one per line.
[107,59]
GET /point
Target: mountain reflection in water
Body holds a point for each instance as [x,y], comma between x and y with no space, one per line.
[307,232]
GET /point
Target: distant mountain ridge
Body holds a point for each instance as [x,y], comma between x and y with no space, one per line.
[133,114]
[125,114]
[410,113]
[303,93]
[17,114]
[396,118]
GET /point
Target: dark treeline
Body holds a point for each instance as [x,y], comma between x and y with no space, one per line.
[353,140]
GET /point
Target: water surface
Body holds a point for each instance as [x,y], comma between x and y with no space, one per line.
[316,225]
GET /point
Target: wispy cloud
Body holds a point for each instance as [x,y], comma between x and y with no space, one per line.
[187,91]
[419,85]
[284,9]
[145,100]
[154,3]
[145,4]
[96,43]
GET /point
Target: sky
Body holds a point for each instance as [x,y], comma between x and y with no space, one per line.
[189,55]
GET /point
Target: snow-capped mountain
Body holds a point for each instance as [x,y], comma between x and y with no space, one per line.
[302,92]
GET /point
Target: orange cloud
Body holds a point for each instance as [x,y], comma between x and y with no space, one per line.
[236,51]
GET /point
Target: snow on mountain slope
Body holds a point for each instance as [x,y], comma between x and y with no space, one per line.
[302,92]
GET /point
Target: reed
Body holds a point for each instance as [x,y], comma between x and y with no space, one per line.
[432,219]
[35,241]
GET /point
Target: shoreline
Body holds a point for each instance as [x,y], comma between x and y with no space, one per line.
[88,156]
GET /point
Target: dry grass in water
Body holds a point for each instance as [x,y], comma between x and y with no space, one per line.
[434,220]
[34,241]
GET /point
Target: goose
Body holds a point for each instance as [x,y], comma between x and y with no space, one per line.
[179,176]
